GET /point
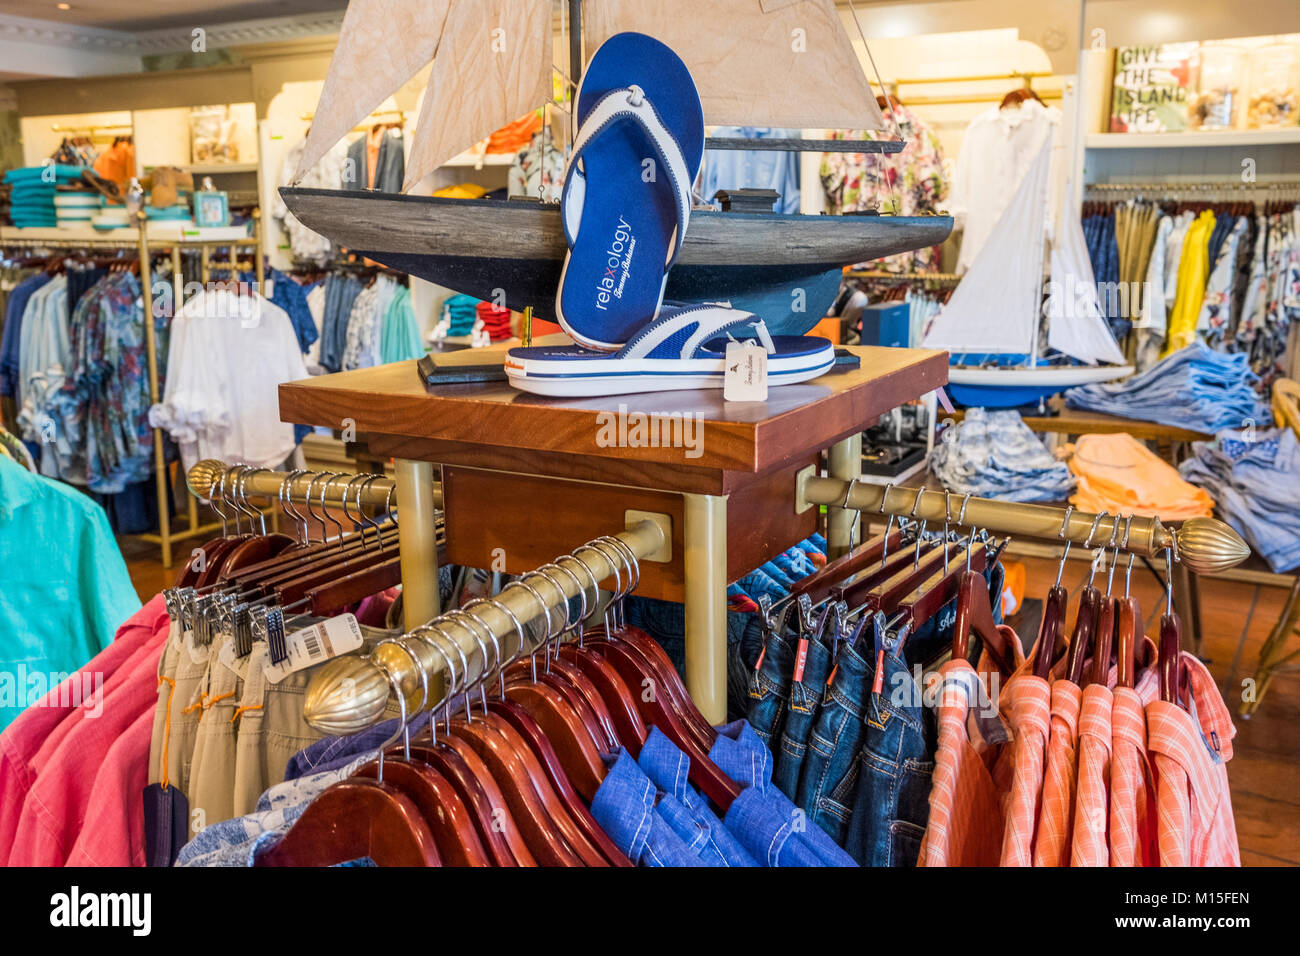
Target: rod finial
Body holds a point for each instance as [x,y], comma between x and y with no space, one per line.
[204,476]
[347,695]
[1207,545]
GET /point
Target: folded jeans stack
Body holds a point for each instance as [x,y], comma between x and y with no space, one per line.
[995,455]
[1256,480]
[1119,475]
[1195,388]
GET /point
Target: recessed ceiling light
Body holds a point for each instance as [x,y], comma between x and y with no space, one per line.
[64,6]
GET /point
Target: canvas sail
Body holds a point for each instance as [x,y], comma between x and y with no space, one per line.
[1076,326]
[494,67]
[995,307]
[382,44]
[756,62]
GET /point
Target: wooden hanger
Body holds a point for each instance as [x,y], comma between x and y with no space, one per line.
[354,819]
[469,776]
[1171,643]
[449,820]
[541,746]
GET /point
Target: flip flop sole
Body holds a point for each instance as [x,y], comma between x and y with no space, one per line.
[565,373]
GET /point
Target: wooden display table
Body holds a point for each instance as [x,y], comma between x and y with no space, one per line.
[1073,421]
[526,477]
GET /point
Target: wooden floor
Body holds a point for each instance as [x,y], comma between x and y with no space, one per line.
[1265,769]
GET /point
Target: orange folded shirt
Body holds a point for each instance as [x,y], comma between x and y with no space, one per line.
[1118,474]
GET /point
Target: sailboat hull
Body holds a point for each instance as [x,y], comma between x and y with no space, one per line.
[1012,386]
[785,268]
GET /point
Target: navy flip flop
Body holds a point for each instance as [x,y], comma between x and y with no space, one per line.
[627,189]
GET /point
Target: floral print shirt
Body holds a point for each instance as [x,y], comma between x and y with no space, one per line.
[908,183]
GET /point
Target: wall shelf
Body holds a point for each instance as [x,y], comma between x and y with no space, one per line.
[1238,138]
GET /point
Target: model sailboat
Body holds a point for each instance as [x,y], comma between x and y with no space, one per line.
[756,63]
[991,322]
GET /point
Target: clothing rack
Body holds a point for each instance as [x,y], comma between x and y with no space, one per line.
[1207,191]
[372,119]
[1203,545]
[1199,545]
[146,248]
[350,694]
[902,278]
[417,532]
[411,663]
[1025,77]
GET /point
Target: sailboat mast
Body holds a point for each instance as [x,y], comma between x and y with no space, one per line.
[575,44]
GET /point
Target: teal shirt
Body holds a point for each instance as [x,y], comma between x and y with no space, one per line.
[400,339]
[64,588]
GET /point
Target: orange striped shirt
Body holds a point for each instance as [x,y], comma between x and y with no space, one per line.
[1090,844]
[1055,816]
[1190,750]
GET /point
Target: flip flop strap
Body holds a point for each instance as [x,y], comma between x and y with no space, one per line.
[700,324]
[623,105]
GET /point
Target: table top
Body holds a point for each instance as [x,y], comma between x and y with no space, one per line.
[1075,421]
[391,400]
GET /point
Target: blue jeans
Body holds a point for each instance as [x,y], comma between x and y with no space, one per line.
[769,688]
[826,781]
[892,791]
[805,699]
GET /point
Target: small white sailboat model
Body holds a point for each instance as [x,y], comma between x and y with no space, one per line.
[991,324]
[785,63]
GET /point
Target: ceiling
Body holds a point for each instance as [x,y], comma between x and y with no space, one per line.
[141,15]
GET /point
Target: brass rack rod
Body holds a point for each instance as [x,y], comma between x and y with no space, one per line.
[349,694]
[1205,545]
[204,479]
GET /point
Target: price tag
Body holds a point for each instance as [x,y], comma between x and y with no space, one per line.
[312,645]
[746,373]
[268,289]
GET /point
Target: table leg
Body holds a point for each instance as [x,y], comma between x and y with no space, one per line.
[1187,605]
[417,539]
[845,464]
[1270,655]
[705,563]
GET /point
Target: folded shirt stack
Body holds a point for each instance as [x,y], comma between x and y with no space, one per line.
[1255,476]
[34,189]
[995,455]
[76,207]
[1119,475]
[1195,388]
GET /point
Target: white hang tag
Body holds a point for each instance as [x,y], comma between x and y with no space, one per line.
[746,372]
[226,655]
[198,653]
[268,288]
[312,645]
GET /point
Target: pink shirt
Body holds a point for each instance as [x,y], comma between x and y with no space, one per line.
[1091,844]
[56,805]
[22,745]
[112,833]
[1190,750]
